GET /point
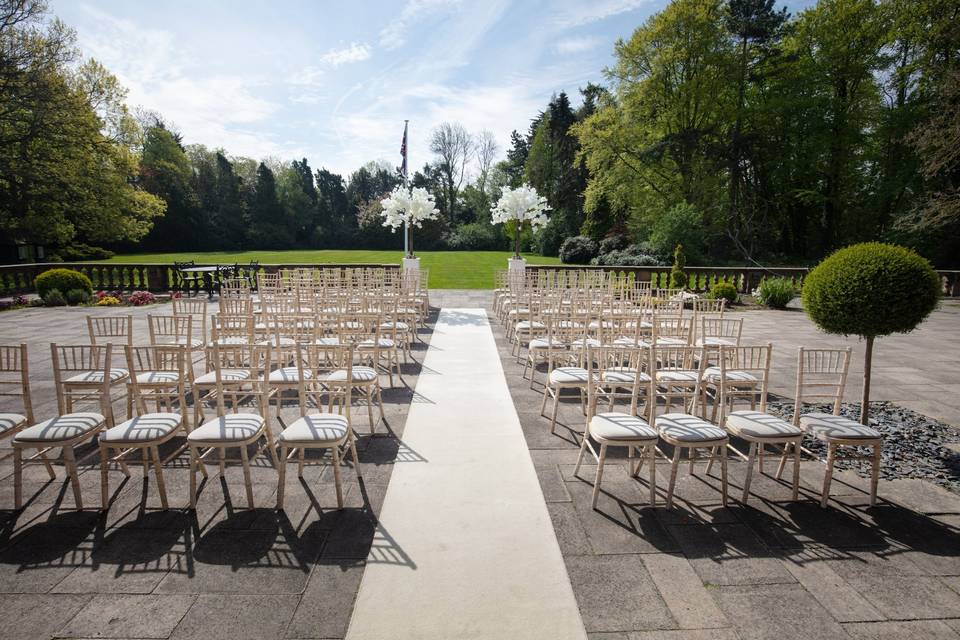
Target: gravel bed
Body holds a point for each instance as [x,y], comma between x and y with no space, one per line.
[914,446]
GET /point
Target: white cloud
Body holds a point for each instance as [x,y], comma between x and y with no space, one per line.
[354,53]
[576,44]
[583,13]
[306,76]
[394,35]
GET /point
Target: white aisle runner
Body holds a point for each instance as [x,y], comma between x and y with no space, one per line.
[465,512]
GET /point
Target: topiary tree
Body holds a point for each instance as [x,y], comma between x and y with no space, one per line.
[62,280]
[678,279]
[869,290]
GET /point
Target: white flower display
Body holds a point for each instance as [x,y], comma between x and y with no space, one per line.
[412,206]
[520,206]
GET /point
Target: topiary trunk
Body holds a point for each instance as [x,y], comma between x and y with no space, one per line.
[865,399]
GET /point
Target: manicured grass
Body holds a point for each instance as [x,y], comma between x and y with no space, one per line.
[448,269]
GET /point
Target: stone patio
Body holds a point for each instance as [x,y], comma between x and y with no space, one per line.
[771,569]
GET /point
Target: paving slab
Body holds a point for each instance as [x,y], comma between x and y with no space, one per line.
[128,616]
[466,538]
[28,617]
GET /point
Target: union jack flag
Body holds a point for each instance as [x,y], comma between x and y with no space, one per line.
[403,150]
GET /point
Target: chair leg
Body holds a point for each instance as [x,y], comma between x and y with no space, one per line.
[17,477]
[281,476]
[104,480]
[158,471]
[356,460]
[553,416]
[651,450]
[796,470]
[583,448]
[828,475]
[46,463]
[70,461]
[783,459]
[875,473]
[245,461]
[746,482]
[194,461]
[673,475]
[546,392]
[722,452]
[596,482]
[336,476]
[373,426]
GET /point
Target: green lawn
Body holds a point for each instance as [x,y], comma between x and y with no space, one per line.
[448,269]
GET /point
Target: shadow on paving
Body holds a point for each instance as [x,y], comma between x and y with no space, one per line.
[639,568]
[311,551]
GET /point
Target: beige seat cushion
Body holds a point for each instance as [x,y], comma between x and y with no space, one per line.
[755,424]
[668,341]
[195,343]
[686,428]
[158,377]
[714,341]
[227,375]
[233,427]
[10,421]
[568,375]
[826,426]
[150,426]
[621,426]
[96,377]
[283,341]
[319,428]
[545,343]
[287,374]
[385,343]
[61,428]
[621,374]
[678,375]
[228,341]
[360,374]
[524,325]
[713,375]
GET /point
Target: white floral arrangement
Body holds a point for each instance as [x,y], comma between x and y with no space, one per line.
[520,206]
[411,206]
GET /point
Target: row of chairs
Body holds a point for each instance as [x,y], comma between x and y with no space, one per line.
[614,344]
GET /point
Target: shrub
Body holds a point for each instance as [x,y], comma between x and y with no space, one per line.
[108,301]
[19,300]
[618,242]
[871,289]
[77,296]
[725,290]
[775,293]
[53,298]
[577,250]
[62,279]
[140,298]
[476,236]
[79,251]
[627,258]
[678,279]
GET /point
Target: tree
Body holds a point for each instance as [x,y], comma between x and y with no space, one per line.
[67,162]
[486,152]
[870,290]
[267,214]
[453,147]
[165,172]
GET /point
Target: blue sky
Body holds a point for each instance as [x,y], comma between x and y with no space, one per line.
[333,81]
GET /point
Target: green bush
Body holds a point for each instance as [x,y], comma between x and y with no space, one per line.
[681,224]
[775,293]
[79,251]
[725,290]
[871,289]
[578,250]
[678,279]
[613,243]
[62,280]
[476,236]
[77,296]
[632,256]
[53,298]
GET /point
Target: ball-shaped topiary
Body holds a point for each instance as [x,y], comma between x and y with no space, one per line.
[63,280]
[868,290]
[726,290]
[578,250]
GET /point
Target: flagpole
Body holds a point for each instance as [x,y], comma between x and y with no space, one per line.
[406,232]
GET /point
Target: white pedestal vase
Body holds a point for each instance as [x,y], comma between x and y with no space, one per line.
[516,272]
[411,265]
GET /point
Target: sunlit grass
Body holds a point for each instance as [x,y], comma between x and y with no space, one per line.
[448,269]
